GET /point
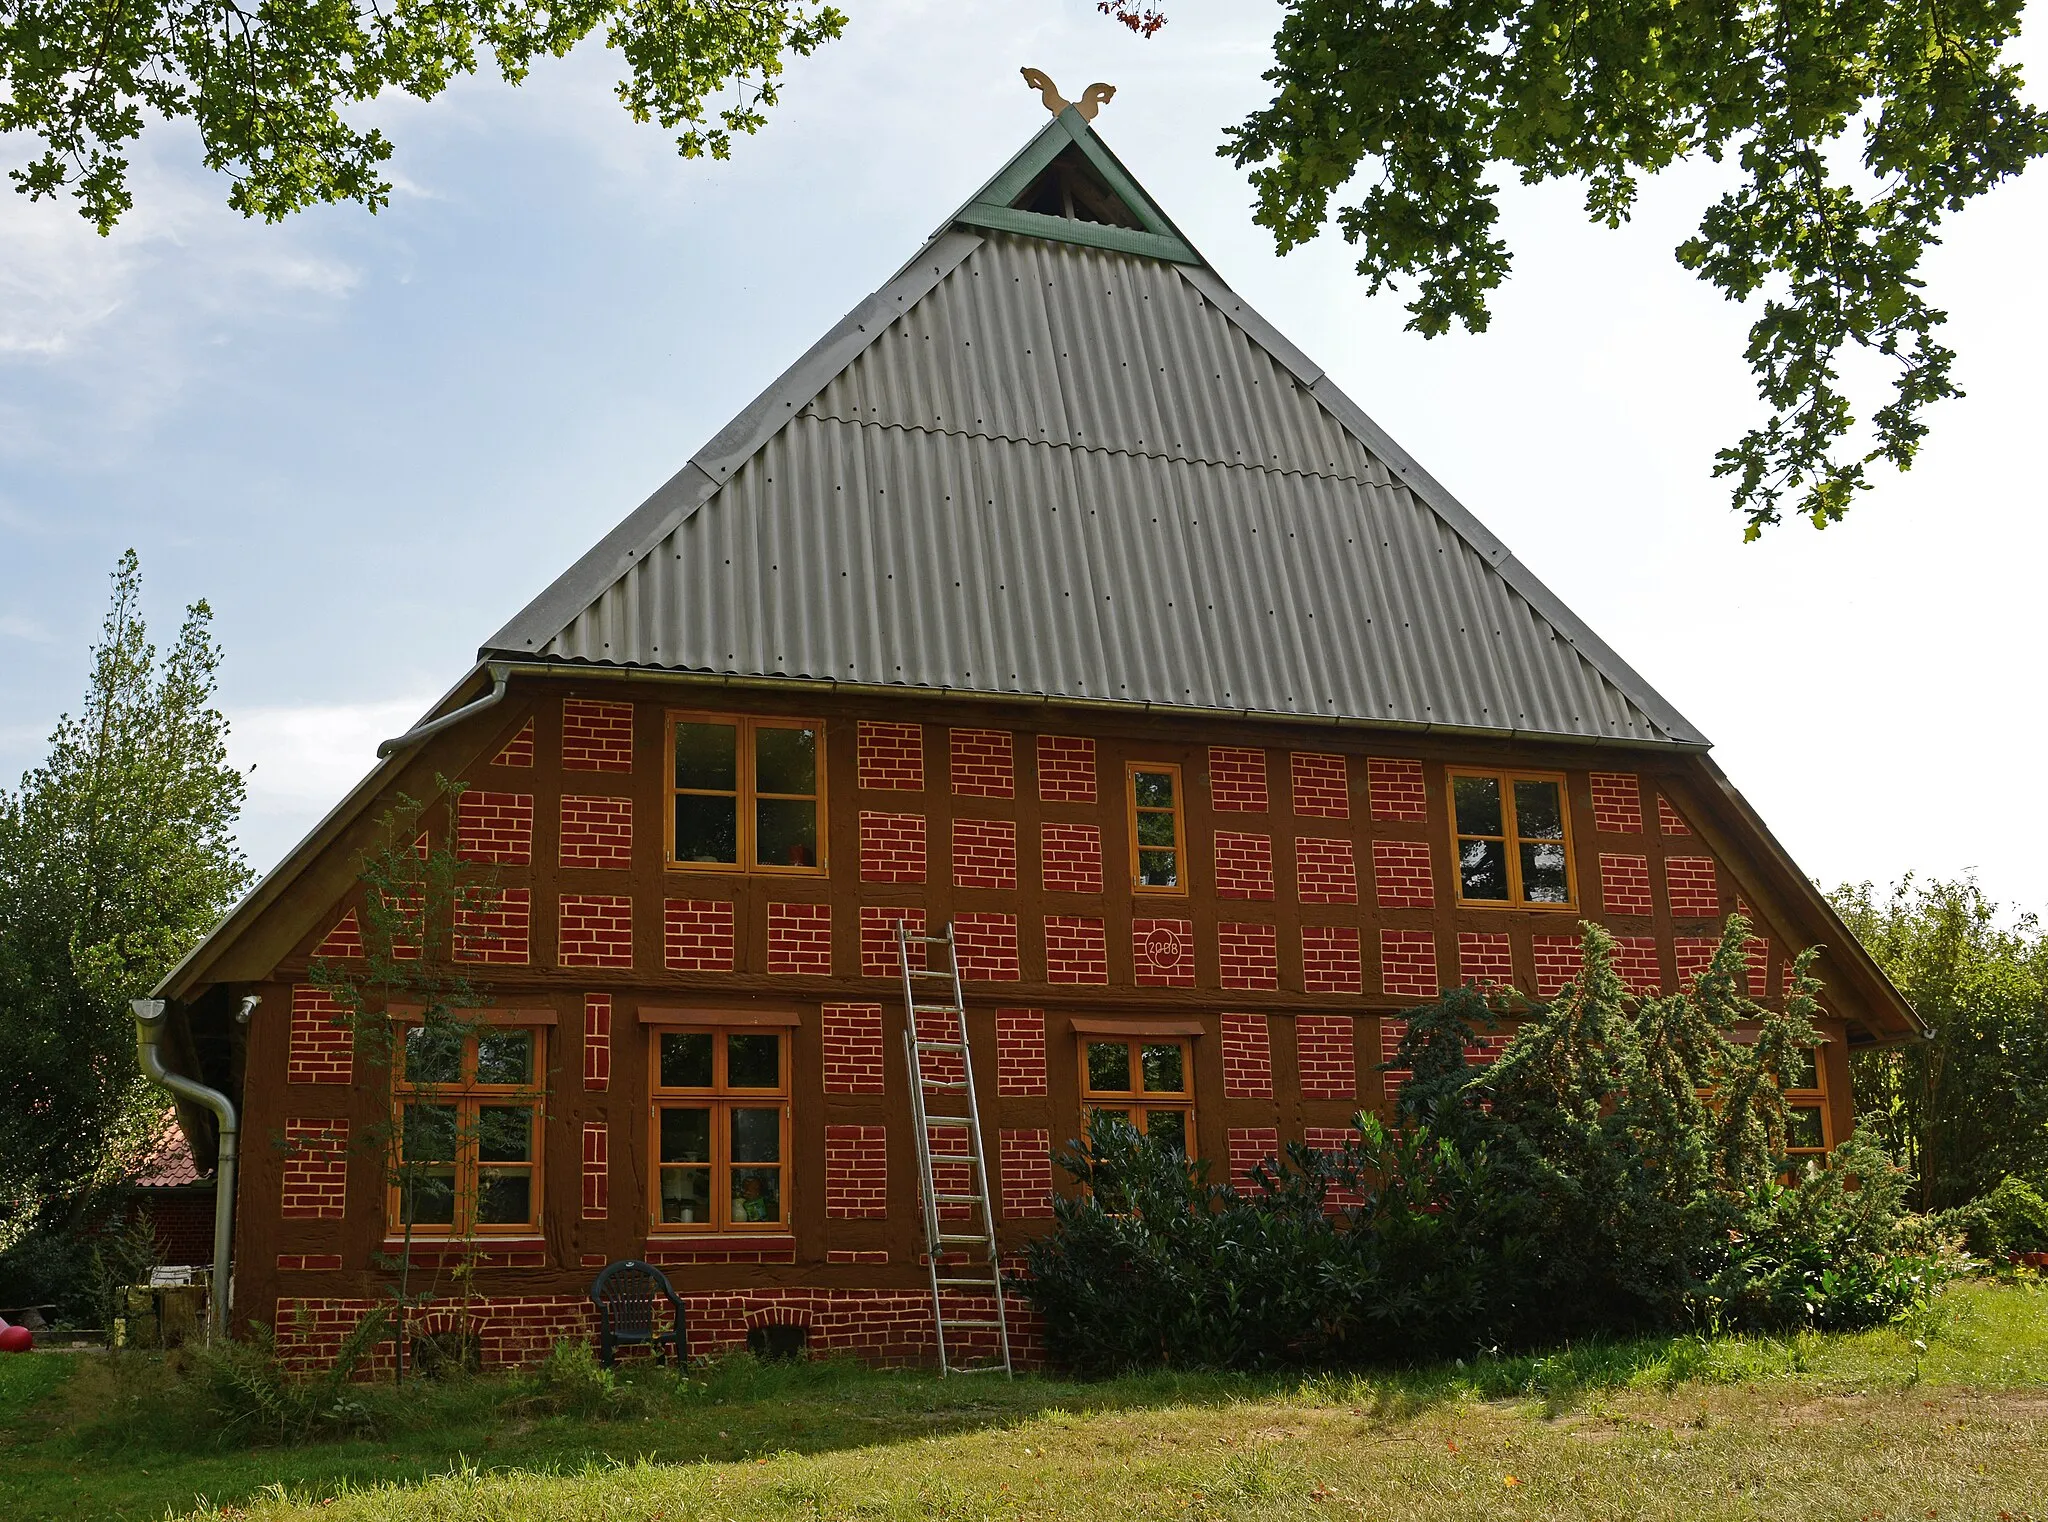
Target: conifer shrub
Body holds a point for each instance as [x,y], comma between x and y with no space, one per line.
[1621,1167]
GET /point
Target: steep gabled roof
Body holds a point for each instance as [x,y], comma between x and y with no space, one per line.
[1057,457]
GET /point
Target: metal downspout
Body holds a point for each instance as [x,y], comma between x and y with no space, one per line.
[500,675]
[149,1029]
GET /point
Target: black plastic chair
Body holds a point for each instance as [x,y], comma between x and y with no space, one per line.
[625,1294]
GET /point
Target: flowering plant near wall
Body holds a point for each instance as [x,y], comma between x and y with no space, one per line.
[1622,1166]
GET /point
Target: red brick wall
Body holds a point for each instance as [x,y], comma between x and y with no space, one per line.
[596,931]
[697,934]
[1617,803]
[1395,788]
[1757,953]
[1333,1139]
[320,1049]
[1692,887]
[597,833]
[987,947]
[1635,959]
[1321,788]
[1625,884]
[1248,955]
[1066,769]
[891,848]
[952,1169]
[1695,955]
[1244,865]
[518,750]
[494,827]
[1247,1057]
[494,925]
[1332,959]
[344,940]
[1020,1052]
[856,1173]
[1076,949]
[890,757]
[1250,1146]
[1237,780]
[1163,953]
[597,1041]
[597,1171]
[1408,964]
[985,854]
[983,763]
[1070,858]
[1325,871]
[853,1048]
[1557,963]
[1668,820]
[800,939]
[315,1170]
[596,737]
[1485,958]
[1401,874]
[1026,1167]
[878,957]
[1329,1069]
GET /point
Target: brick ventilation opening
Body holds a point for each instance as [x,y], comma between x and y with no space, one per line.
[878,957]
[987,947]
[597,1171]
[343,941]
[596,931]
[1076,949]
[1020,1053]
[1325,871]
[1693,889]
[1070,858]
[597,1042]
[1329,1066]
[800,940]
[1485,959]
[596,737]
[985,853]
[494,925]
[1026,1163]
[494,827]
[597,833]
[1066,769]
[1163,953]
[315,1170]
[1244,865]
[890,757]
[891,848]
[1617,803]
[322,1047]
[1395,788]
[1248,956]
[1249,1147]
[1557,963]
[518,750]
[983,763]
[1247,1057]
[697,934]
[856,1173]
[1668,820]
[853,1048]
[1635,959]
[1625,884]
[1332,960]
[1237,780]
[1401,874]
[1321,788]
[1408,964]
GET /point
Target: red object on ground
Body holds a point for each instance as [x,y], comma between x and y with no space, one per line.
[16,1339]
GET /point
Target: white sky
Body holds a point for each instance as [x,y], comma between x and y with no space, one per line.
[367,441]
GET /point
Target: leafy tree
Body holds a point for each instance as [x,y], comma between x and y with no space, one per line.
[1969,1107]
[1853,128]
[116,854]
[269,86]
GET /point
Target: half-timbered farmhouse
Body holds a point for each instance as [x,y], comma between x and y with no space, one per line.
[1052,599]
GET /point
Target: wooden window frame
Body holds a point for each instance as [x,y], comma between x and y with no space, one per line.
[1507,778]
[468,1096]
[720,1099]
[745,795]
[1134,1102]
[1813,1098]
[1180,888]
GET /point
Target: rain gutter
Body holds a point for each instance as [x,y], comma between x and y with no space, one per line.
[149,1030]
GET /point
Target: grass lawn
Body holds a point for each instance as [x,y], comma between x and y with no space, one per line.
[1848,1427]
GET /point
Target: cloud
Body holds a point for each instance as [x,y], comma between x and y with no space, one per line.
[21,626]
[306,758]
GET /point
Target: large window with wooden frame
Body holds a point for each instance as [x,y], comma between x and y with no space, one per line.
[1804,1086]
[468,1104]
[1159,855]
[746,794]
[1511,838]
[720,1130]
[1147,1080]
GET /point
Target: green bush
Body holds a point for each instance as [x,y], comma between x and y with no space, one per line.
[571,1382]
[2013,1218]
[255,1397]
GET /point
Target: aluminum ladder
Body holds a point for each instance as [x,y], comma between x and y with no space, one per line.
[969,1277]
